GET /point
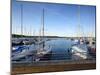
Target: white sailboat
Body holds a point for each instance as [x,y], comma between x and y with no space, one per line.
[79,50]
[22,51]
[43,50]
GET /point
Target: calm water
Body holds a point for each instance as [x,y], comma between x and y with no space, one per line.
[60,49]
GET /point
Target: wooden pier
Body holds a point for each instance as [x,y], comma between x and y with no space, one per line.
[52,66]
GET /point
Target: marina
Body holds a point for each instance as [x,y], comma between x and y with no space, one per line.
[47,40]
[62,49]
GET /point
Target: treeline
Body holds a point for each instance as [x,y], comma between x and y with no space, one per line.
[19,36]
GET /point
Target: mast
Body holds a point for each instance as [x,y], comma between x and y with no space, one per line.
[80,30]
[21,20]
[30,31]
[43,23]
[41,33]
[79,21]
[43,29]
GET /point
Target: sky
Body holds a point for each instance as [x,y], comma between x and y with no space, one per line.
[59,19]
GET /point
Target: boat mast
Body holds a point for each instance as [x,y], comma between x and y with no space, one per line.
[79,33]
[30,31]
[21,20]
[43,23]
[41,32]
[43,29]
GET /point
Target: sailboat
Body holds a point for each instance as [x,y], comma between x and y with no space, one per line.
[22,51]
[79,50]
[43,50]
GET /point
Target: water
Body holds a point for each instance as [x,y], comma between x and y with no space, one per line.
[60,49]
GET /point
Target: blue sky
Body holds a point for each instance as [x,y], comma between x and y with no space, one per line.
[59,19]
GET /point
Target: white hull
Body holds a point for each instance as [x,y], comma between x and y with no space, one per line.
[79,52]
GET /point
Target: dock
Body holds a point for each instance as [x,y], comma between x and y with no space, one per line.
[52,66]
